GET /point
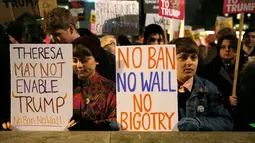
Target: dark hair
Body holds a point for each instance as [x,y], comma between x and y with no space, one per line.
[151,30]
[233,41]
[252,29]
[106,60]
[123,41]
[80,50]
[185,45]
[25,29]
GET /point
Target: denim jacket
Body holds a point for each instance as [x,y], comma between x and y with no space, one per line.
[205,108]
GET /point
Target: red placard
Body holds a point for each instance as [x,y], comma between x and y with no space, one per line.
[171,8]
[238,6]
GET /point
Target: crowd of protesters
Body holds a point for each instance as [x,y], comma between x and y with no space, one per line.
[205,73]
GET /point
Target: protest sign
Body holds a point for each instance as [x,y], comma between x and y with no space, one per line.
[199,36]
[150,6]
[117,17]
[10,10]
[77,9]
[92,20]
[171,9]
[46,6]
[238,6]
[223,22]
[147,88]
[156,19]
[41,86]
[188,31]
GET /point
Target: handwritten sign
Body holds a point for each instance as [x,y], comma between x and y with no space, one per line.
[156,19]
[147,88]
[171,8]
[117,17]
[41,86]
[238,6]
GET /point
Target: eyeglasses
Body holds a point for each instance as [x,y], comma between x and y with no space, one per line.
[151,39]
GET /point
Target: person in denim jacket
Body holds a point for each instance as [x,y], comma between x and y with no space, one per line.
[199,100]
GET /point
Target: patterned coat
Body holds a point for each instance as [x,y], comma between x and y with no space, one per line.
[94,103]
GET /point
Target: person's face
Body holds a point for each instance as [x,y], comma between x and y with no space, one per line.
[249,39]
[186,66]
[84,67]
[226,51]
[175,4]
[155,39]
[63,36]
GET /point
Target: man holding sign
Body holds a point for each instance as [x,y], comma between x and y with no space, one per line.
[199,106]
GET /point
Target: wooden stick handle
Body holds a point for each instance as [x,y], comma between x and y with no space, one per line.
[164,26]
[238,54]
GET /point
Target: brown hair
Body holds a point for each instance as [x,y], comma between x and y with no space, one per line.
[186,45]
[58,18]
[225,32]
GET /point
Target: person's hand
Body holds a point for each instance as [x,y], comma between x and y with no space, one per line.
[71,124]
[188,124]
[233,100]
[7,126]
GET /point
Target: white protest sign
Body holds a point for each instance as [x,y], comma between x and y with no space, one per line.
[117,17]
[156,19]
[147,88]
[41,86]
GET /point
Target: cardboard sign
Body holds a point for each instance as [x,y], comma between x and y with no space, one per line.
[147,88]
[239,6]
[223,22]
[171,8]
[10,10]
[117,17]
[41,86]
[46,6]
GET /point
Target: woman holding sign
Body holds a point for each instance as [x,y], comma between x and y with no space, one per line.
[221,70]
[94,98]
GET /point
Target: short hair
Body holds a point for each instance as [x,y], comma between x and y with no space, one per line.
[233,41]
[185,45]
[151,30]
[225,32]
[252,29]
[58,18]
[80,50]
